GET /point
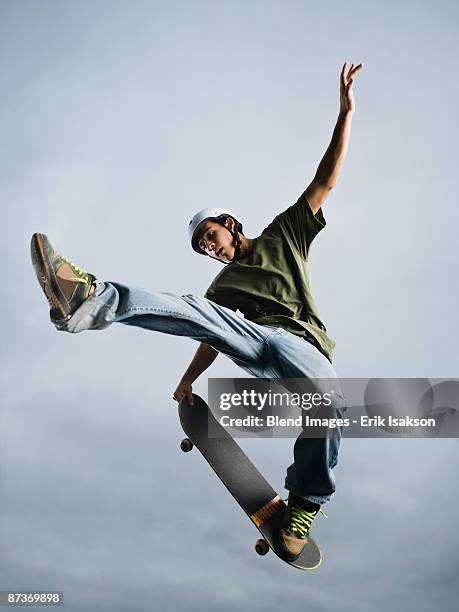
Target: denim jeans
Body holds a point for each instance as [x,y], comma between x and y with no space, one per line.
[259,350]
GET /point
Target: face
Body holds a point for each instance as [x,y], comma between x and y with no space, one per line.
[216,241]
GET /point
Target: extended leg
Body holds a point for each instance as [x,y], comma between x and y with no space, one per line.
[76,307]
[187,315]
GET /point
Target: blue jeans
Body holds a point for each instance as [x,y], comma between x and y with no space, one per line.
[262,351]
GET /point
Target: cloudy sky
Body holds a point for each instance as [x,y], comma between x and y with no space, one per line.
[119,119]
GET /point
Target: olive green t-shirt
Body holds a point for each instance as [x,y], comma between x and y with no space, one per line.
[271,285]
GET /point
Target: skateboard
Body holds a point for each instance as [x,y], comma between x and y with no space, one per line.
[247,485]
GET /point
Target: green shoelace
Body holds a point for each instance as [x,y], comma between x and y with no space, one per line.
[301,521]
[85,277]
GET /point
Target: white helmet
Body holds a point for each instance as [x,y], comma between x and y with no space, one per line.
[216,214]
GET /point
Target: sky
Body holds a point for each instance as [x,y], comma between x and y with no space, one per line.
[121,119]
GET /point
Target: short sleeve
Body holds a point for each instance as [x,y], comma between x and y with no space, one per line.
[299,224]
[210,293]
[218,296]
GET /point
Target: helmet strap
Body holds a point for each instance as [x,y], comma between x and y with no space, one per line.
[237,244]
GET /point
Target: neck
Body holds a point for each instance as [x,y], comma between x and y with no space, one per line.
[246,246]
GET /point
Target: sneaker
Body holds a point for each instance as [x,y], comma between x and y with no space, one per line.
[292,537]
[65,285]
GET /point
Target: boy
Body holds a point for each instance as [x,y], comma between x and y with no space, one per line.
[266,278]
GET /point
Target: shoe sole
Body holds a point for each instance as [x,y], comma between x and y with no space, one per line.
[47,278]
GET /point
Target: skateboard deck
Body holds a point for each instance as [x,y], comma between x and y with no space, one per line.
[243,480]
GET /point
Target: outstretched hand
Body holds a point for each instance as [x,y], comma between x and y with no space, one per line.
[346,95]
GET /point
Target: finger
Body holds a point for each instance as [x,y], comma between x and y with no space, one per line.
[355,70]
[343,72]
[190,398]
[349,72]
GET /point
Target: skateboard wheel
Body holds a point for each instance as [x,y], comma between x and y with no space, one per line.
[186,445]
[261,546]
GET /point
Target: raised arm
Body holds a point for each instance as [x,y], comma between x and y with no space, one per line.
[203,358]
[330,166]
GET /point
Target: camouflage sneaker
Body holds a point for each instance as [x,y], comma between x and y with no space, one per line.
[292,536]
[65,285]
